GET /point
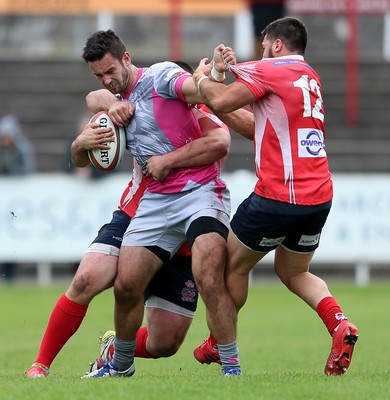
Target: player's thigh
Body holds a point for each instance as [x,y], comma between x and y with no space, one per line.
[241,259]
[289,263]
[136,268]
[211,244]
[95,273]
[207,238]
[166,327]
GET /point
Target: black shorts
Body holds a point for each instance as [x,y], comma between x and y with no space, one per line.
[173,283]
[112,233]
[204,225]
[263,224]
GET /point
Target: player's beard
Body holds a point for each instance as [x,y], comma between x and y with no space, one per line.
[125,80]
[119,86]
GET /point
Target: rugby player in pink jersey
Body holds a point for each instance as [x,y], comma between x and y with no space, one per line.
[293,194]
[191,204]
[170,298]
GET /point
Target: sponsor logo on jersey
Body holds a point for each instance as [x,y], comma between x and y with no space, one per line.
[286,62]
[309,240]
[311,143]
[270,242]
[175,73]
[180,74]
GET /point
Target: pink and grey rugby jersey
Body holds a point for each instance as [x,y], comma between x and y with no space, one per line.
[135,189]
[291,162]
[163,122]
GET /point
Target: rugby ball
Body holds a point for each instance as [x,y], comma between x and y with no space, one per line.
[103,159]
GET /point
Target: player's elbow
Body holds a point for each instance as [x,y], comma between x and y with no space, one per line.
[78,156]
[80,162]
[220,105]
[225,147]
[222,144]
[247,131]
[90,100]
[96,100]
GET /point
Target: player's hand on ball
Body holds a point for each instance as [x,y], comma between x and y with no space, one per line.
[109,142]
[93,137]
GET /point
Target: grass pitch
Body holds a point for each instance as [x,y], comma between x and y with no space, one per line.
[283,349]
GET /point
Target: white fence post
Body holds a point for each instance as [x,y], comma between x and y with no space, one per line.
[362,274]
[44,274]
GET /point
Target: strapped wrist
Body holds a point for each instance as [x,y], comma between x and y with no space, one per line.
[217,76]
[200,81]
[198,77]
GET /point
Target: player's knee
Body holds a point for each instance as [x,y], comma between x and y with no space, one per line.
[82,286]
[125,292]
[87,284]
[165,348]
[211,288]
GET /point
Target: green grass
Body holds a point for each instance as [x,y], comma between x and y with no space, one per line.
[283,347]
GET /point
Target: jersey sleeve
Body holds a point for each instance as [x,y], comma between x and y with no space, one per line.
[168,80]
[251,74]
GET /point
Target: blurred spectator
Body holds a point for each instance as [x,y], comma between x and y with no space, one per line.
[17,157]
[263,12]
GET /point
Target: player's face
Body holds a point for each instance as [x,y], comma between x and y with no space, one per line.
[267,48]
[112,73]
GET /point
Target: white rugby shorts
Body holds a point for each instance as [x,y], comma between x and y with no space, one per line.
[163,219]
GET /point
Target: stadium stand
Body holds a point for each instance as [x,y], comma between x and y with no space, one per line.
[48,96]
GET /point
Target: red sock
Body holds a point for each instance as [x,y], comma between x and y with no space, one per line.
[64,321]
[140,349]
[330,313]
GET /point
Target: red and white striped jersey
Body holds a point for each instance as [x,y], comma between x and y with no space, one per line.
[290,158]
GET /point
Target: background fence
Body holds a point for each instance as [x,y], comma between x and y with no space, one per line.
[52,218]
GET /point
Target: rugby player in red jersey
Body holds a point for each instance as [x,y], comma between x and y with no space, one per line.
[293,194]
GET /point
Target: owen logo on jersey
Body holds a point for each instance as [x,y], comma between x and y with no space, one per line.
[311,143]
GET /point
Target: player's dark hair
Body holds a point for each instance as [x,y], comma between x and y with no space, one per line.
[290,30]
[187,67]
[101,43]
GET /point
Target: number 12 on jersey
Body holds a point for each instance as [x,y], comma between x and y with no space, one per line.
[309,87]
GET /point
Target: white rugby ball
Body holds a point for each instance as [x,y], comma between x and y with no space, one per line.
[106,160]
